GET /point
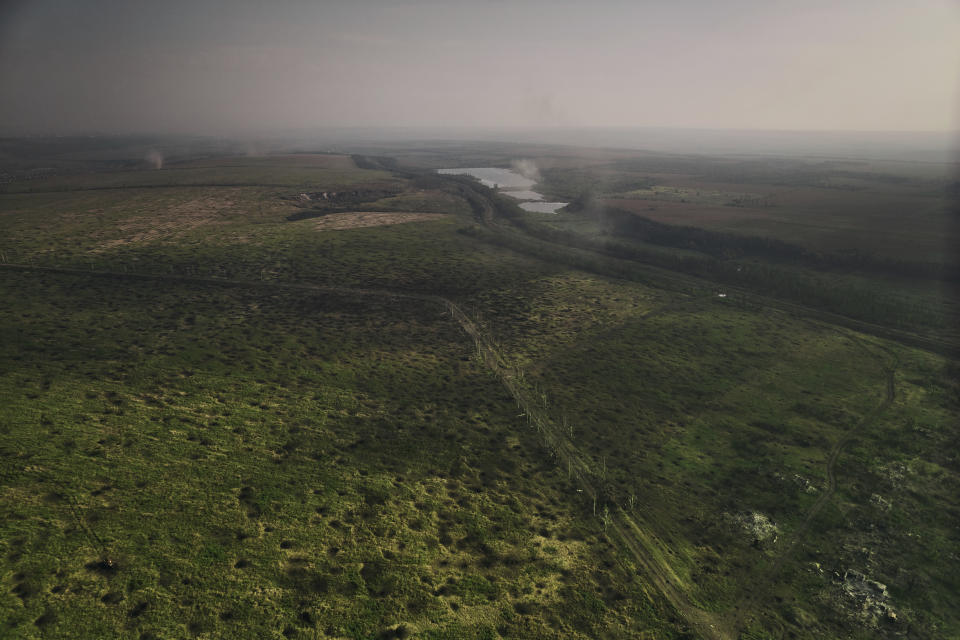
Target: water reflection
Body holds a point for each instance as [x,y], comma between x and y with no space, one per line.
[509,183]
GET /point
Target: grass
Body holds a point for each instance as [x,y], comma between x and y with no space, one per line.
[305,174]
[192,459]
[241,232]
[698,412]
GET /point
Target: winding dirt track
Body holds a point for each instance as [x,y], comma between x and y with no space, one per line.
[766,581]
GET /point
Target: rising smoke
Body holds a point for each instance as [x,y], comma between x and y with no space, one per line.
[155,158]
[527,168]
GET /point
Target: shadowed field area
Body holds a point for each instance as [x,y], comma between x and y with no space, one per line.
[189,460]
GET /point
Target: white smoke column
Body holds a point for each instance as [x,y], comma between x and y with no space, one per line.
[155,158]
[527,168]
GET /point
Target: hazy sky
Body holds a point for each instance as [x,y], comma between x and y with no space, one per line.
[244,66]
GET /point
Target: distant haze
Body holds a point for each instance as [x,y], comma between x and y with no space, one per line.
[243,67]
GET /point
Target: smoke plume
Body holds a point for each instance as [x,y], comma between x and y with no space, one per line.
[527,168]
[155,158]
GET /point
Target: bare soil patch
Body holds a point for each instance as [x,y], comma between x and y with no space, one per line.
[357,219]
[172,221]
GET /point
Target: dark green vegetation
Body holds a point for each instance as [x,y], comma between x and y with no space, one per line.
[184,456]
[843,253]
[193,459]
[698,415]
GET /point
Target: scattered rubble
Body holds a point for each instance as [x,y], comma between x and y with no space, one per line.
[799,481]
[314,204]
[869,599]
[347,195]
[758,525]
[894,472]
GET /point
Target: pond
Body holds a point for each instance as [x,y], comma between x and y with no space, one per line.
[509,183]
[542,207]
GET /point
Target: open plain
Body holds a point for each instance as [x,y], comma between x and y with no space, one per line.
[712,398]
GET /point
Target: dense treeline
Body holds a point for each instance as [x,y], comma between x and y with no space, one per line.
[722,245]
[779,171]
[375,163]
[766,266]
[849,299]
[568,184]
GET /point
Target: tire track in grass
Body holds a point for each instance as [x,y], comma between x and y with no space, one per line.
[647,550]
[764,586]
[641,545]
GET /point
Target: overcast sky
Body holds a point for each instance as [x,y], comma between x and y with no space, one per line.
[261,67]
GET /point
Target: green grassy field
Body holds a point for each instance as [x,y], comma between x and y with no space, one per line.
[699,413]
[190,460]
[184,456]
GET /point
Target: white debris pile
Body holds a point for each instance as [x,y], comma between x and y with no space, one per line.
[895,473]
[757,525]
[869,598]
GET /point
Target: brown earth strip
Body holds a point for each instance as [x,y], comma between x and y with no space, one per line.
[358,219]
